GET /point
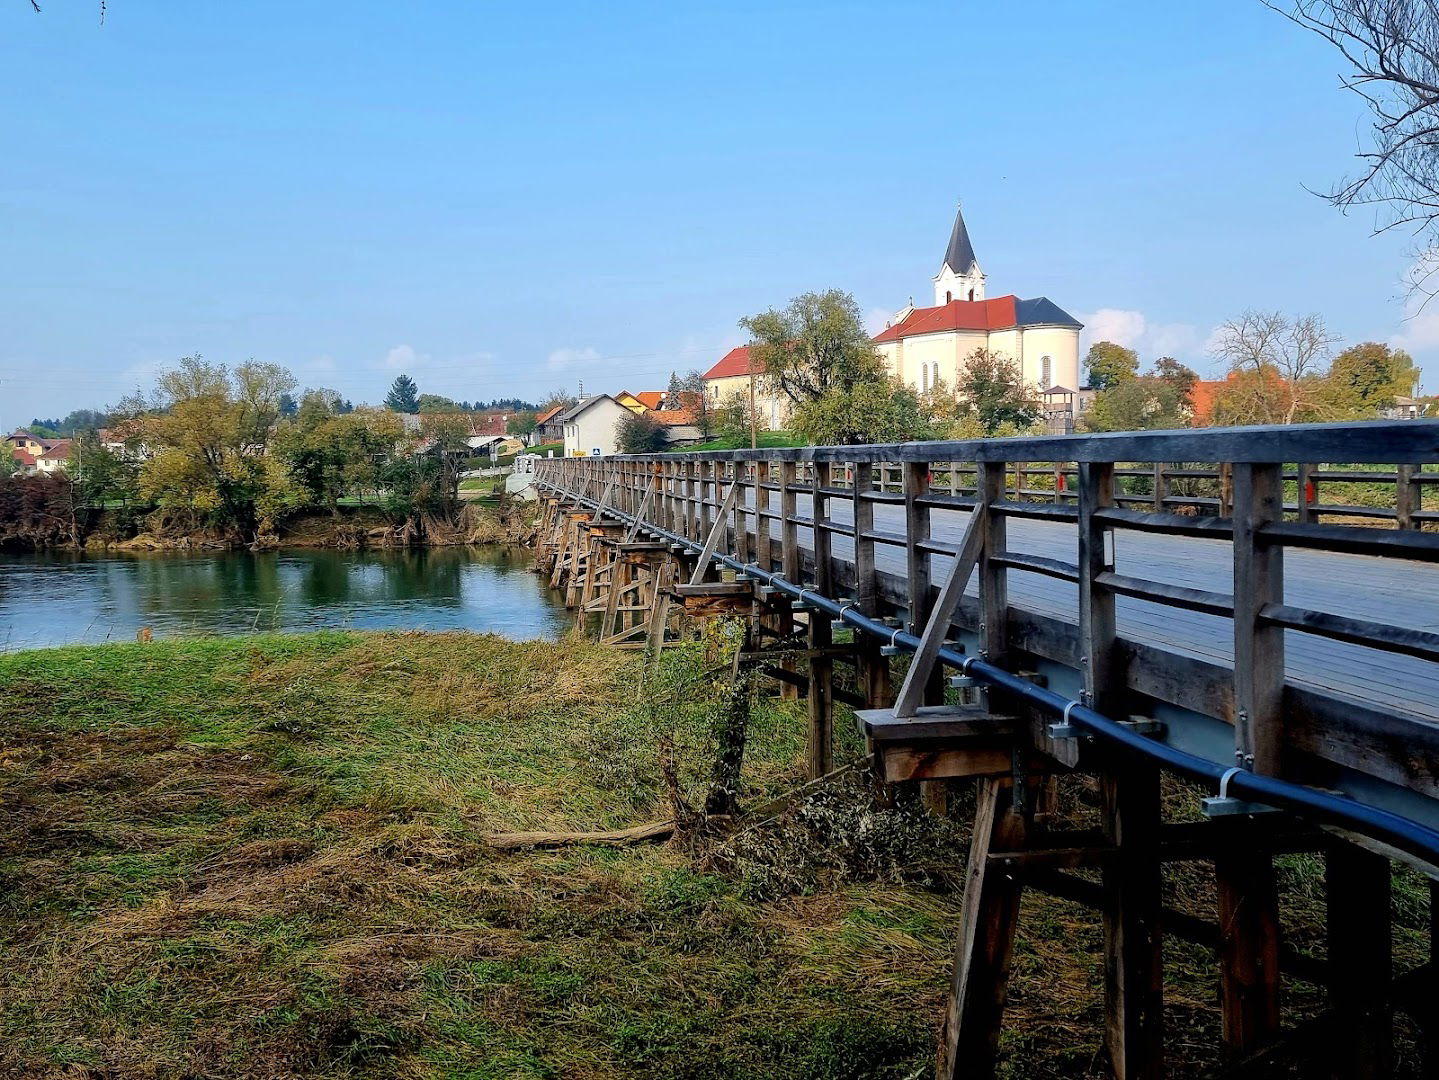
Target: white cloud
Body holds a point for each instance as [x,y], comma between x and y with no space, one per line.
[1114,324]
[403,357]
[567,357]
[1134,331]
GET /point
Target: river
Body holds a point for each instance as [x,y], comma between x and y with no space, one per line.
[61,599]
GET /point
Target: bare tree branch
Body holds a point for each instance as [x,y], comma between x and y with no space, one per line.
[1393,48]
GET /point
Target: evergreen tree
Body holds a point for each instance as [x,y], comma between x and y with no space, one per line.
[404,395]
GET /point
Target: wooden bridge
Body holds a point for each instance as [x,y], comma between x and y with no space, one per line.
[1110,605]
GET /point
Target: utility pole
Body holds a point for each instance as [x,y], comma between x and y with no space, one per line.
[753,431]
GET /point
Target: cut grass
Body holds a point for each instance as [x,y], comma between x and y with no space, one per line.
[264,857]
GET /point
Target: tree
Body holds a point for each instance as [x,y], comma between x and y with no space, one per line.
[558,398]
[1393,48]
[640,433]
[102,476]
[1365,379]
[814,346]
[288,405]
[881,410]
[731,419]
[521,423]
[433,403]
[1276,365]
[331,453]
[992,390]
[1109,363]
[1140,403]
[404,395]
[208,427]
[1179,376]
[692,397]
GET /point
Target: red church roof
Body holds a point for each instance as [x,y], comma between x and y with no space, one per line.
[735,362]
[996,314]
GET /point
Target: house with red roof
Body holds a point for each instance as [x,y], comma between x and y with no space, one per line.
[731,378]
[31,454]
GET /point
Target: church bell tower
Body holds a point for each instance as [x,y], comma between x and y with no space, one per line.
[959,277]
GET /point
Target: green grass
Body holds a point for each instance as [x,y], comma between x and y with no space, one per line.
[768,440]
[265,856]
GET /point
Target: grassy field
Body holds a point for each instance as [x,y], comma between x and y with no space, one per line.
[266,857]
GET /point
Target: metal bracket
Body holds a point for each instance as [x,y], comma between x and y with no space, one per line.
[1064,729]
[891,649]
[839,623]
[1225,805]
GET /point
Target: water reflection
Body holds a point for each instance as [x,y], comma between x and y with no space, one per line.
[64,598]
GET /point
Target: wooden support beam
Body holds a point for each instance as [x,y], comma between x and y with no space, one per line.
[874,666]
[1249,947]
[969,1038]
[1357,885]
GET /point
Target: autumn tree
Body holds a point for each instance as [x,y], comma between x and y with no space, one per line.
[1276,365]
[876,410]
[991,390]
[1109,363]
[207,426]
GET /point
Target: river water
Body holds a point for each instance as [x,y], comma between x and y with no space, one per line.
[61,599]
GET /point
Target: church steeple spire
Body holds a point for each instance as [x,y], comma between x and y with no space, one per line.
[959,277]
[959,256]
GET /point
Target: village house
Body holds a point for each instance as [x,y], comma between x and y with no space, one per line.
[589,426]
[737,373]
[32,455]
[548,427]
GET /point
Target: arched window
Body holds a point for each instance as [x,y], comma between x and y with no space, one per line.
[935,380]
[924,376]
[948,296]
[971,295]
[1046,372]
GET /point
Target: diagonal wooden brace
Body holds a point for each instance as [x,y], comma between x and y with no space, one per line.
[911,694]
[721,523]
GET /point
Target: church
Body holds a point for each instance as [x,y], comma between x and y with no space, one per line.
[922,345]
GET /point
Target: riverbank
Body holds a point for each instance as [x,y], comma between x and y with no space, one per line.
[273,857]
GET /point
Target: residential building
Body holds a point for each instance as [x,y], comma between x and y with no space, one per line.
[548,427]
[32,455]
[928,345]
[589,427]
[732,376]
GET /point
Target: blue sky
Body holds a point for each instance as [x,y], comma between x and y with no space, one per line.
[502,199]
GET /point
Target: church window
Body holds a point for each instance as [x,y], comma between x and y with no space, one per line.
[971,295]
[1046,372]
[935,380]
[924,376]
[948,296]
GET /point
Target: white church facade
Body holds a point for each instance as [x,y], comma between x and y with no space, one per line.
[923,345]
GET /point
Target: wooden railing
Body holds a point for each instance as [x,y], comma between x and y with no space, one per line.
[881,525]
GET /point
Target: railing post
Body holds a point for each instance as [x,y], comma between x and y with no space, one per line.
[916,477]
[873,667]
[1406,496]
[1161,486]
[1247,894]
[764,552]
[820,744]
[743,514]
[1130,812]
[993,578]
[1304,481]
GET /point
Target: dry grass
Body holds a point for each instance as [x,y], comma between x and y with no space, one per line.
[264,858]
